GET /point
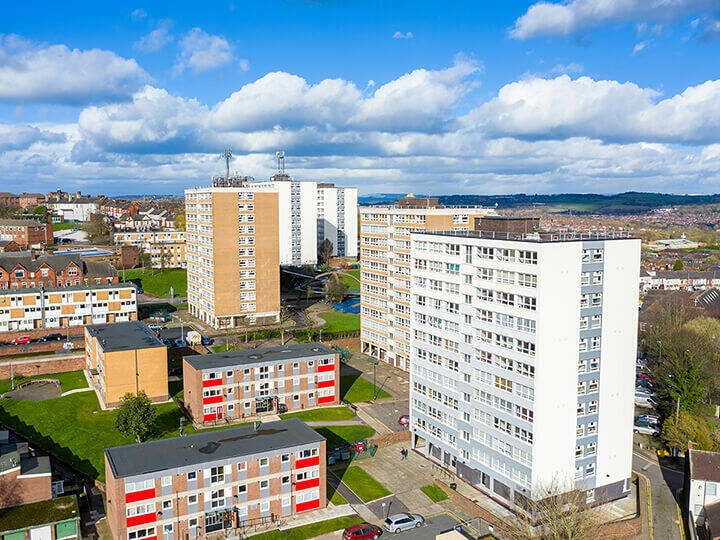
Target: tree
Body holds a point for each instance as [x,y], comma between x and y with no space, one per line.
[680,379]
[325,250]
[97,230]
[678,265]
[180,221]
[285,317]
[689,428]
[135,416]
[40,210]
[308,293]
[334,289]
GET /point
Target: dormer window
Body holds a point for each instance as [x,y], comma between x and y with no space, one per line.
[19,273]
[72,271]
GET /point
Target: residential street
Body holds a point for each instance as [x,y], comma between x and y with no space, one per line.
[664,483]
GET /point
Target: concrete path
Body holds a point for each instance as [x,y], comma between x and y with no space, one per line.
[324,423]
[377,425]
[76,391]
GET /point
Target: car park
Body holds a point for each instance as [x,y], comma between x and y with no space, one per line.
[645,428]
[362,531]
[21,340]
[403,522]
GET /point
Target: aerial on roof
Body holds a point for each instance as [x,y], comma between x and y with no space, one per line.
[193,450]
[125,336]
[254,356]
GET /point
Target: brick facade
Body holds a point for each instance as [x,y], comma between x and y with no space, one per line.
[27,232]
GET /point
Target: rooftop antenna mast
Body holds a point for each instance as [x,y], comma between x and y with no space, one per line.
[280,161]
[227,154]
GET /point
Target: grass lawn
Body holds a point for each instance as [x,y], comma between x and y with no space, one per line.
[322,414]
[435,493]
[310,531]
[158,282]
[333,496]
[76,430]
[364,485]
[339,435]
[354,388]
[65,226]
[69,380]
[340,322]
[348,281]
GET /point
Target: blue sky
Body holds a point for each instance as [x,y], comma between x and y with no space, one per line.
[458,97]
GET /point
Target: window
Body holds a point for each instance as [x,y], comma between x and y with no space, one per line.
[264,484]
[264,462]
[192,499]
[285,458]
[141,533]
[192,475]
[217,475]
[242,466]
[217,498]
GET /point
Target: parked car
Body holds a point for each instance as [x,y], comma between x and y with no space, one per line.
[645,427]
[52,337]
[362,531]
[404,420]
[168,342]
[403,522]
[644,400]
[649,418]
[155,327]
[179,342]
[207,341]
[140,291]
[22,340]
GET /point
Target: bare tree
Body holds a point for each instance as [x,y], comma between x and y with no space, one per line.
[285,316]
[335,289]
[325,251]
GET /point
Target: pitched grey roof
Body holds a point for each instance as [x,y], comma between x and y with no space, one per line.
[23,222]
[91,269]
[685,274]
[258,356]
[704,465]
[195,450]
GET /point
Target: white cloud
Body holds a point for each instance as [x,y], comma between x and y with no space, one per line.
[401,35]
[19,137]
[155,40]
[32,73]
[640,46]
[244,64]
[575,16]
[138,14]
[200,52]
[566,69]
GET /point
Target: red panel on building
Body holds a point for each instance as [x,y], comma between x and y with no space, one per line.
[306,484]
[325,384]
[141,519]
[307,462]
[212,399]
[326,399]
[140,495]
[212,382]
[209,417]
[329,367]
[307,505]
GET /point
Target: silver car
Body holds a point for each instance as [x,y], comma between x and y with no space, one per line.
[403,522]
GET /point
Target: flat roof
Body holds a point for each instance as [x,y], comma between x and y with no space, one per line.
[254,356]
[91,286]
[124,336]
[39,513]
[539,237]
[193,450]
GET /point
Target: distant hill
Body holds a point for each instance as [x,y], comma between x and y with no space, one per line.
[631,202]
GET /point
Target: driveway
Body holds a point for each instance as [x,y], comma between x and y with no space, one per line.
[664,483]
[434,525]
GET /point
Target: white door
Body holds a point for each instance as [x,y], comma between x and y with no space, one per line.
[41,533]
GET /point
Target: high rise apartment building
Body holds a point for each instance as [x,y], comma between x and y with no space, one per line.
[233,255]
[523,360]
[337,219]
[385,269]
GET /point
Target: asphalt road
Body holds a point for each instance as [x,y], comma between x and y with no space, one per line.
[433,526]
[388,413]
[664,483]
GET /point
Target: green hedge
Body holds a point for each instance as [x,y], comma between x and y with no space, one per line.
[313,334]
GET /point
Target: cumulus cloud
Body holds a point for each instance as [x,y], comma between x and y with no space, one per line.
[138,14]
[32,73]
[401,35]
[563,107]
[200,52]
[567,18]
[155,40]
[18,137]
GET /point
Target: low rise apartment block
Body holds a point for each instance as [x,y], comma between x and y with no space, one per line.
[702,492]
[385,269]
[523,360]
[246,383]
[60,307]
[168,255]
[166,248]
[217,482]
[23,269]
[27,233]
[126,358]
[233,255]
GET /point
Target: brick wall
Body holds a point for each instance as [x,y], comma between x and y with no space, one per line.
[14,490]
[42,365]
[392,438]
[345,343]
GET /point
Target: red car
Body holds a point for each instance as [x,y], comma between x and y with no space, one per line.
[362,531]
[21,340]
[404,420]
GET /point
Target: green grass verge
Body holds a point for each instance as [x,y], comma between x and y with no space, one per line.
[348,281]
[434,492]
[333,496]
[364,485]
[158,282]
[354,388]
[76,430]
[322,414]
[340,322]
[310,531]
[339,435]
[64,226]
[69,380]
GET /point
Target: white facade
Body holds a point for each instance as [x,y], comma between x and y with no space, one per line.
[297,203]
[704,477]
[523,361]
[337,219]
[75,211]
